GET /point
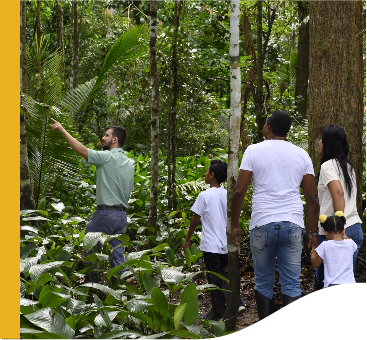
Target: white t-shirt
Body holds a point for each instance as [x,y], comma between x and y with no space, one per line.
[277,169]
[338,261]
[330,172]
[211,205]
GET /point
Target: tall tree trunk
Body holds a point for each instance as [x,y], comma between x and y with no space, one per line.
[76,44]
[230,315]
[302,61]
[258,95]
[60,35]
[71,54]
[26,194]
[174,67]
[336,77]
[38,23]
[154,120]
[251,76]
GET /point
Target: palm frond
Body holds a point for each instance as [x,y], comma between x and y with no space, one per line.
[49,154]
[127,46]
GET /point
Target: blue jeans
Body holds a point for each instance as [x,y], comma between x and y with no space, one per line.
[282,241]
[110,222]
[355,233]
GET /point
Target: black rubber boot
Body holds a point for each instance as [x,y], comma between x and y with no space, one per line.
[265,306]
[218,299]
[288,299]
[318,285]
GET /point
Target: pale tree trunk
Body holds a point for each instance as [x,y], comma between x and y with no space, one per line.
[60,35]
[26,194]
[302,61]
[76,44]
[251,76]
[154,120]
[71,54]
[336,78]
[230,315]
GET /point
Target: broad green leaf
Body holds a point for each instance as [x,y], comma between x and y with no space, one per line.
[26,250]
[36,270]
[188,257]
[131,288]
[190,296]
[172,276]
[117,294]
[102,313]
[166,323]
[177,316]
[120,333]
[136,306]
[51,321]
[52,300]
[35,218]
[149,283]
[218,327]
[75,306]
[44,278]
[154,336]
[41,334]
[115,270]
[160,302]
[172,213]
[58,206]
[29,228]
[91,239]
[170,256]
[184,334]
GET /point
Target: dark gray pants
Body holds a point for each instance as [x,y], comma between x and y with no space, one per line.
[110,222]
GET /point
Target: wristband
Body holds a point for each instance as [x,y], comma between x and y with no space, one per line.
[313,251]
[314,233]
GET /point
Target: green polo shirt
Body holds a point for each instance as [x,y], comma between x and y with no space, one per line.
[115,176]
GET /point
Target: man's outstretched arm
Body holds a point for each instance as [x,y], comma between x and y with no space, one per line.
[239,192]
[78,147]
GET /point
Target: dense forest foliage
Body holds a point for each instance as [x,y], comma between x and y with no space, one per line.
[87,64]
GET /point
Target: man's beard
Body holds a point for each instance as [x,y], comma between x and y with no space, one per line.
[106,146]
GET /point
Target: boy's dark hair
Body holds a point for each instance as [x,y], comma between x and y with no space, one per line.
[219,169]
[334,224]
[280,123]
[119,132]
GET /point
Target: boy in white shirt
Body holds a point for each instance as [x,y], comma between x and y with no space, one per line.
[211,207]
[336,253]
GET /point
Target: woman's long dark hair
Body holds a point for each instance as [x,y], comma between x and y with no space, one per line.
[335,146]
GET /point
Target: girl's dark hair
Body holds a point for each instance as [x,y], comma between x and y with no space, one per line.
[335,146]
[220,170]
[334,224]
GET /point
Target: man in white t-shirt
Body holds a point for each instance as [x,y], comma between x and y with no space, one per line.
[277,169]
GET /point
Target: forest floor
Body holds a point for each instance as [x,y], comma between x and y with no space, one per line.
[250,316]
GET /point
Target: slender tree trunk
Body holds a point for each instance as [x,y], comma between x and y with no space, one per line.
[38,23]
[26,193]
[76,44]
[174,68]
[60,35]
[251,76]
[336,77]
[154,119]
[302,61]
[230,315]
[71,54]
[258,95]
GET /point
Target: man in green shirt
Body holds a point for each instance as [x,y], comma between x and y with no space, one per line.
[115,181]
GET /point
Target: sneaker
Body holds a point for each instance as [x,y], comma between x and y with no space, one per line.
[241,310]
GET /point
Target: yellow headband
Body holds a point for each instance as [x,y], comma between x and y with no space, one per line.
[322,218]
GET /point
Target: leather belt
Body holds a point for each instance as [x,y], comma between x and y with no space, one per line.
[111,207]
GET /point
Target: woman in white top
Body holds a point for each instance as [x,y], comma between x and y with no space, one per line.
[337,189]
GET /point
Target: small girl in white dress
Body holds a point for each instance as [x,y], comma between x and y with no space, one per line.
[337,252]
